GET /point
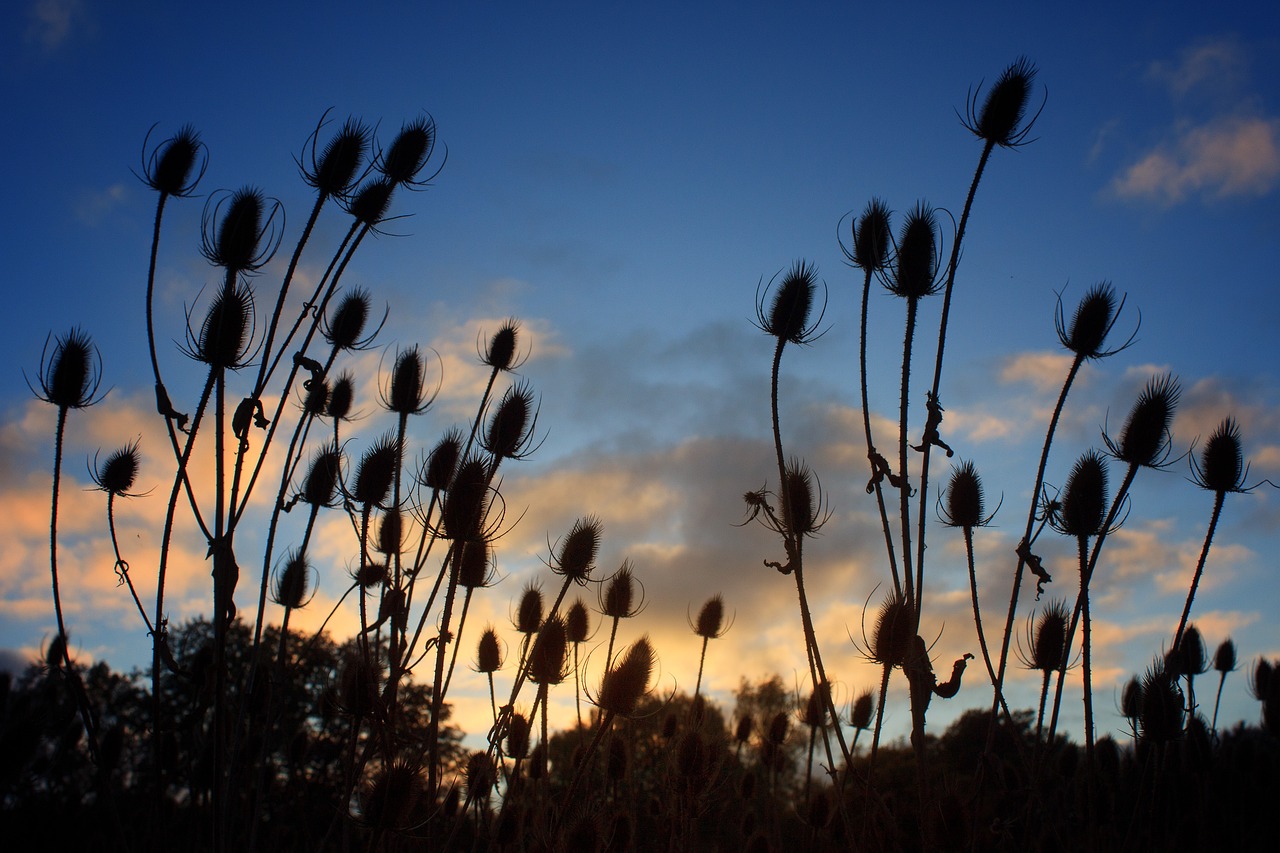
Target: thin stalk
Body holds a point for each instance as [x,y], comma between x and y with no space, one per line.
[866,427]
[904,490]
[1218,498]
[977,616]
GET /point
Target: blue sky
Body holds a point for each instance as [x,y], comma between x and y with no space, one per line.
[621,177]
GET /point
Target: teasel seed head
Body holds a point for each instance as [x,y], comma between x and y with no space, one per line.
[964,506]
[226,335]
[345,325]
[316,400]
[1084,500]
[371,575]
[577,556]
[475,563]
[320,488]
[518,736]
[437,474]
[393,794]
[803,506]
[480,776]
[1224,659]
[371,202]
[466,504]
[500,354]
[391,532]
[1145,438]
[175,166]
[793,300]
[871,237]
[742,731]
[777,732]
[529,611]
[916,273]
[1047,638]
[578,622]
[377,470]
[335,170]
[489,651]
[292,584]
[710,622]
[1001,119]
[814,712]
[71,375]
[1094,317]
[548,659]
[341,396]
[1221,468]
[409,151]
[240,232]
[626,684]
[511,426]
[619,600]
[118,471]
[1162,714]
[406,393]
[1189,657]
[1131,701]
[894,632]
[863,712]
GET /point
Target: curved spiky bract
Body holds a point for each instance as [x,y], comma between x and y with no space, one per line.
[625,685]
[787,317]
[1145,439]
[117,473]
[239,229]
[915,275]
[1094,318]
[1001,119]
[336,168]
[872,239]
[576,557]
[1221,467]
[175,166]
[1084,500]
[71,375]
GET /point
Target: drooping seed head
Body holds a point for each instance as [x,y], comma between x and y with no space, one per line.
[578,622]
[511,425]
[1224,659]
[344,328]
[1145,438]
[293,582]
[860,717]
[409,151]
[793,300]
[1000,121]
[964,500]
[626,684]
[226,335]
[548,659]
[341,396]
[916,272]
[489,651]
[376,471]
[501,352]
[577,556]
[871,237]
[334,171]
[1221,467]
[710,618]
[71,374]
[1093,320]
[240,233]
[1084,501]
[529,611]
[117,473]
[171,168]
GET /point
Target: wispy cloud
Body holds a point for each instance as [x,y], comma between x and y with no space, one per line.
[50,22]
[94,206]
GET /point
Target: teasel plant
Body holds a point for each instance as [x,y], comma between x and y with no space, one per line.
[1224,662]
[709,625]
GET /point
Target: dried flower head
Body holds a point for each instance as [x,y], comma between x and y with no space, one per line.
[371,202]
[918,257]
[1084,500]
[1189,657]
[619,600]
[895,629]
[71,375]
[501,353]
[225,338]
[371,575]
[175,166]
[320,488]
[476,566]
[489,651]
[803,505]
[578,622]
[1162,711]
[1092,322]
[334,170]
[466,505]
[529,611]
[437,473]
[391,532]
[1145,439]
[390,799]
[341,396]
[316,401]
[787,317]
[1047,638]
[409,152]
[548,659]
[291,586]
[964,501]
[345,325]
[1221,468]
[239,229]
[116,474]
[872,239]
[577,555]
[511,425]
[1224,659]
[1000,121]
[863,711]
[518,736]
[406,393]
[626,684]
[377,470]
[710,622]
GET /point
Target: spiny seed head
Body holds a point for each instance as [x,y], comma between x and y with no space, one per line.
[620,594]
[1092,322]
[293,581]
[391,532]
[1221,467]
[480,776]
[171,168]
[334,171]
[344,328]
[626,684]
[964,506]
[511,424]
[245,237]
[393,795]
[578,622]
[1189,657]
[71,374]
[871,236]
[370,203]
[777,733]
[467,502]
[1145,437]
[1161,716]
[377,470]
[226,334]
[710,618]
[409,151]
[1049,640]
[518,736]
[320,488]
[1262,677]
[357,685]
[437,474]
[529,610]
[894,631]
[116,474]
[489,651]
[1224,659]
[788,316]
[577,556]
[341,396]
[814,713]
[742,731]
[475,563]
[549,656]
[1000,121]
[917,269]
[371,575]
[1131,700]
[317,399]
[802,512]
[501,352]
[863,710]
[1084,501]
[407,394]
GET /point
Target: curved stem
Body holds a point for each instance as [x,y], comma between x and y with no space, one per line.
[875,481]
[1204,554]
[977,615]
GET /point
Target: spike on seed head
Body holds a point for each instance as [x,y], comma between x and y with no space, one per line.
[917,269]
[871,236]
[577,556]
[70,376]
[170,169]
[1145,439]
[710,618]
[578,622]
[1084,502]
[1221,467]
[293,581]
[1000,121]
[117,473]
[626,684]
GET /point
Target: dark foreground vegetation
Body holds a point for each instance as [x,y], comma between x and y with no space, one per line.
[246,736]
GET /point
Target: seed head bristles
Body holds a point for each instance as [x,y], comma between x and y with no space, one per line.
[1092,322]
[1084,500]
[391,797]
[502,351]
[345,325]
[376,471]
[117,473]
[1000,121]
[442,462]
[171,167]
[918,256]
[369,205]
[409,153]
[406,392]
[239,231]
[626,684]
[225,339]
[1145,439]
[872,239]
[964,500]
[337,168]
[71,375]
[341,396]
[710,624]
[489,653]
[576,557]
[619,599]
[370,575]
[512,424]
[292,587]
[787,317]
